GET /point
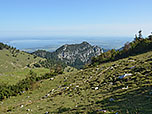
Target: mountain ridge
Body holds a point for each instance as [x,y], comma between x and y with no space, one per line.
[75,55]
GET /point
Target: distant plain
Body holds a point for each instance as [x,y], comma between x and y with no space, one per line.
[52,43]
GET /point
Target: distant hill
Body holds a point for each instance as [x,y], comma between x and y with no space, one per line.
[138,46]
[75,55]
[12,59]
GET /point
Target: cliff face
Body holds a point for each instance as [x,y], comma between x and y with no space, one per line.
[75,55]
[77,52]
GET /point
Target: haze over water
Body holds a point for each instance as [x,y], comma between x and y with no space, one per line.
[51,44]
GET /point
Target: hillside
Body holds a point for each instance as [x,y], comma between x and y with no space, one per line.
[12,59]
[138,46]
[16,64]
[75,55]
[120,87]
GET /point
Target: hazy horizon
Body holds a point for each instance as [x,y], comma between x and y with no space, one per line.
[68,18]
[108,24]
[51,43]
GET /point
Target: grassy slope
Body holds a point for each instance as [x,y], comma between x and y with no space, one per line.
[12,68]
[10,78]
[75,92]
[8,63]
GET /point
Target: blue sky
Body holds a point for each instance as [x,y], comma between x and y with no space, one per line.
[44,18]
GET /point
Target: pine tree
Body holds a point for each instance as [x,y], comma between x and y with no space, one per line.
[140,35]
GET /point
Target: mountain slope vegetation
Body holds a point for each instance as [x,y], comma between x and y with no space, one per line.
[16,64]
[110,85]
[138,46]
[12,59]
[119,87]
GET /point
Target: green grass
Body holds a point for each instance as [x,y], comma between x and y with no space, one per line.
[74,92]
[10,63]
[14,68]
[11,78]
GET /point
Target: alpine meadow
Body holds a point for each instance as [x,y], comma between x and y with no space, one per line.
[75,57]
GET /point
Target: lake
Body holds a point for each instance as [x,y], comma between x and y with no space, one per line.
[52,43]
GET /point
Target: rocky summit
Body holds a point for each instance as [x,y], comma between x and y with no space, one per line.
[75,55]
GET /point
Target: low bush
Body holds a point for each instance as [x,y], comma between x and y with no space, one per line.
[23,85]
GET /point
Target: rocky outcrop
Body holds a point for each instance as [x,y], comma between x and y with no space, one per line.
[82,52]
[75,55]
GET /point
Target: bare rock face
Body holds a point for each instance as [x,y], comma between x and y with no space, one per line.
[77,53]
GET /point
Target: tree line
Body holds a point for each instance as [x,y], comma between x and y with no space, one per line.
[138,46]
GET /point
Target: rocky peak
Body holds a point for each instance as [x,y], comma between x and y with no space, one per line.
[76,54]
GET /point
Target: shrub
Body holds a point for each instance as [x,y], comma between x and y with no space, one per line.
[28,83]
